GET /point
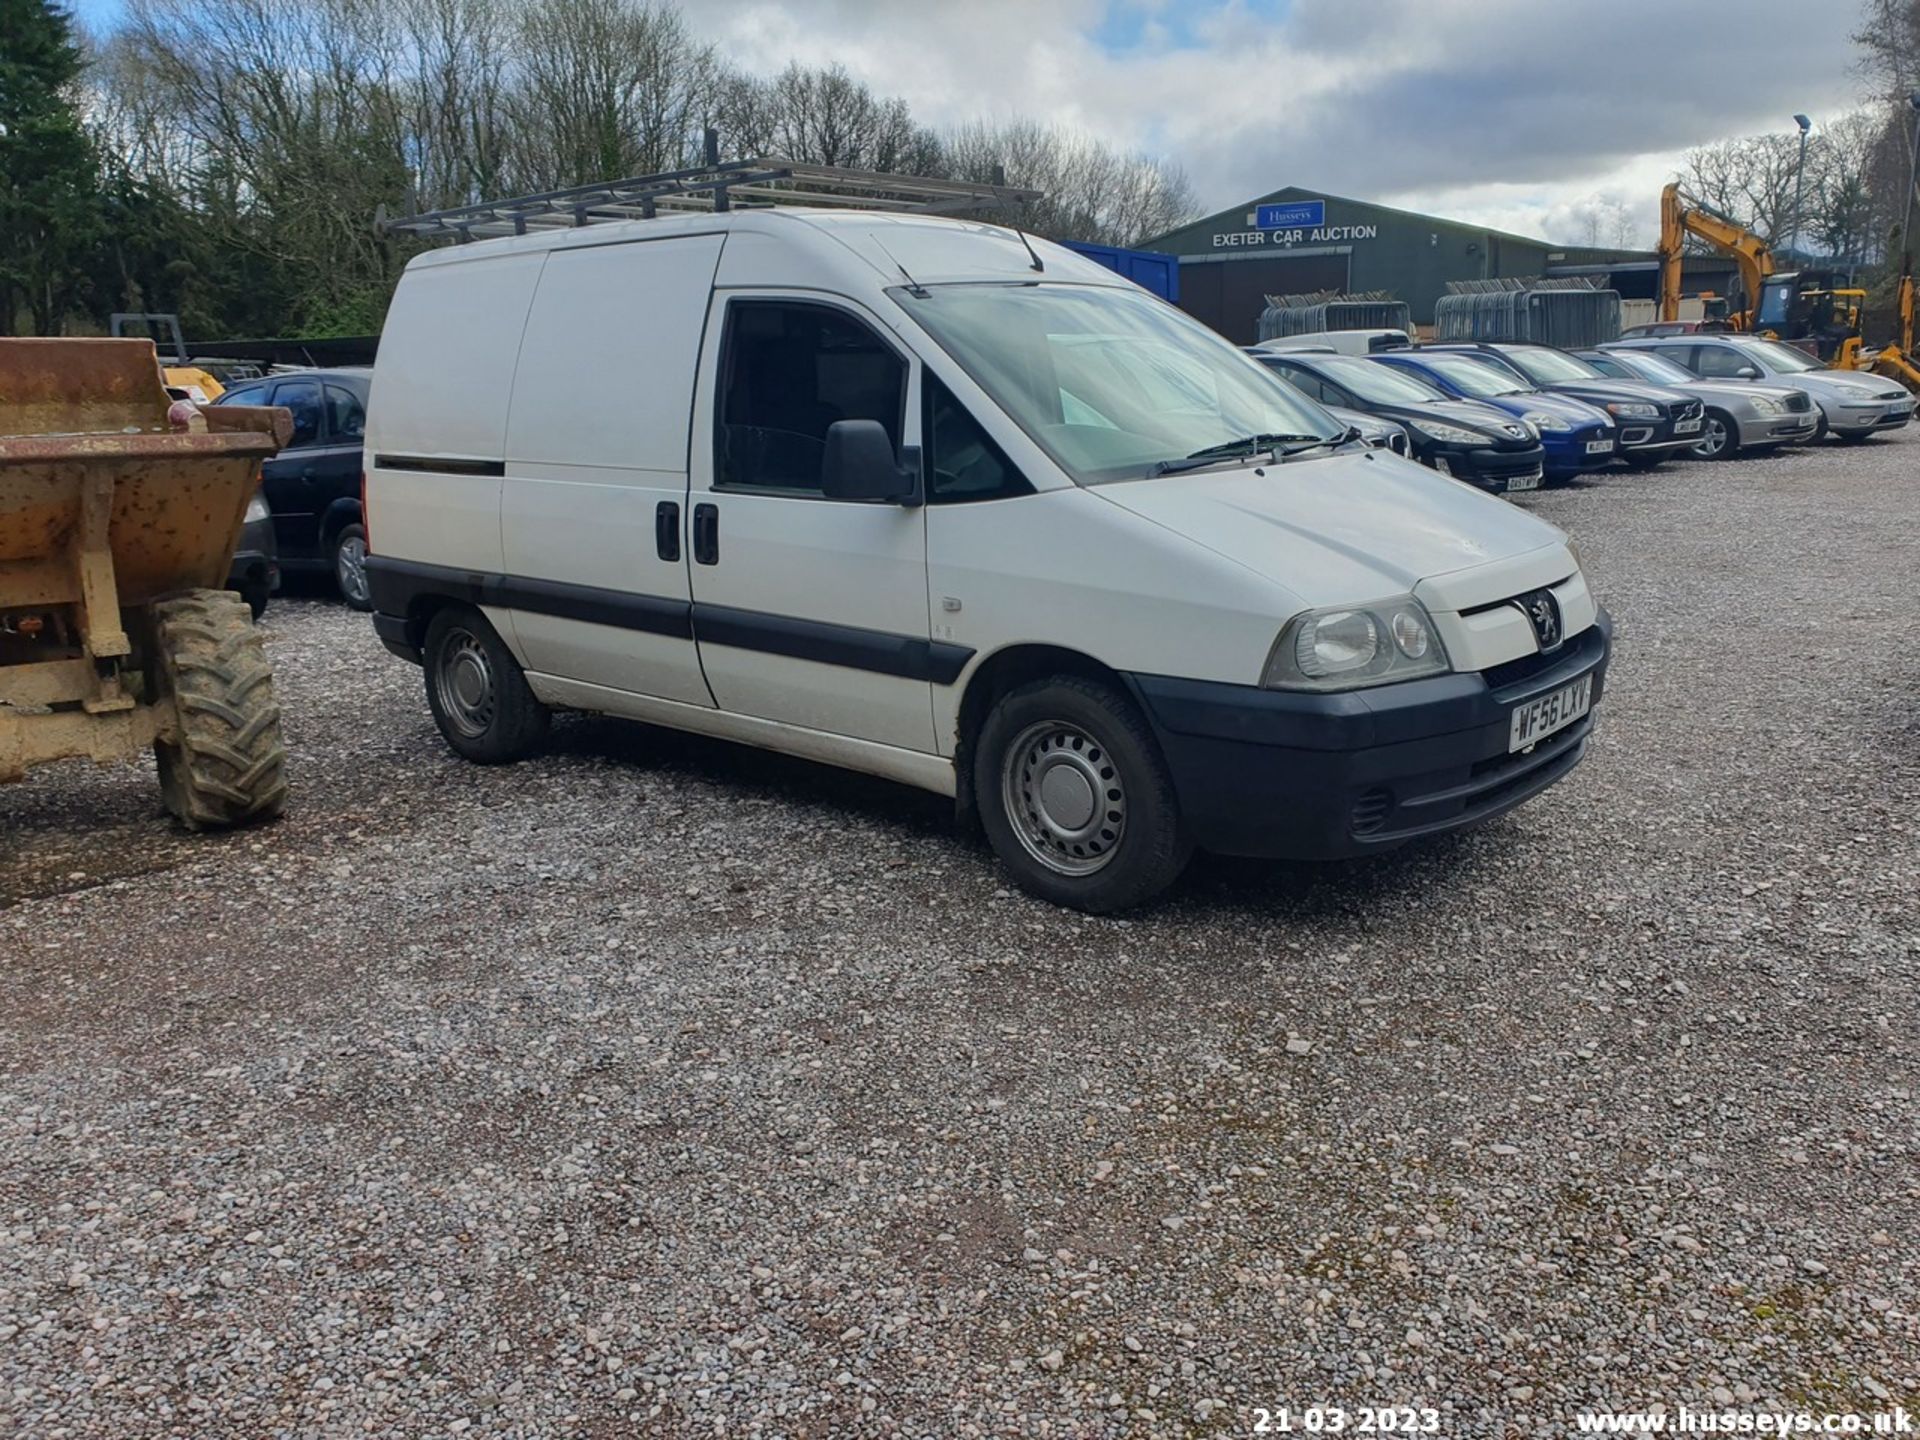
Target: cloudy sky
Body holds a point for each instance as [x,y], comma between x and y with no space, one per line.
[1522,114]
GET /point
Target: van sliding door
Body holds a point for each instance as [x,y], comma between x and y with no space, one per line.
[593,514]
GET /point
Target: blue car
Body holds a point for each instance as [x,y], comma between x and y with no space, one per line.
[1576,436]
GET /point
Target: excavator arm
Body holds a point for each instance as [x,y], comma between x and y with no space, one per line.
[1681,216]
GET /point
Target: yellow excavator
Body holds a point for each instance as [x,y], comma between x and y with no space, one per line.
[1795,305]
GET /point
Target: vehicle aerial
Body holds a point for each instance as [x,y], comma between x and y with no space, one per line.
[1741,417]
[1342,342]
[1654,422]
[312,487]
[1576,438]
[1853,404]
[942,502]
[119,508]
[1466,439]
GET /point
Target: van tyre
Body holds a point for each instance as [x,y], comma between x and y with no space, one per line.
[350,566]
[477,691]
[1075,797]
[222,762]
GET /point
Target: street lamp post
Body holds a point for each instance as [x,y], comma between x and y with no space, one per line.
[1799,172]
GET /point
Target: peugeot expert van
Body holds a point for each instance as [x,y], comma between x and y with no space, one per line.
[929,499]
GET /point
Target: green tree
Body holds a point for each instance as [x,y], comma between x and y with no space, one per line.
[49,207]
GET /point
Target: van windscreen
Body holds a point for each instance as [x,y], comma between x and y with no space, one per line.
[1110,382]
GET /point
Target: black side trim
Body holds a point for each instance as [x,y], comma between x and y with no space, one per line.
[398,585]
[649,613]
[849,646]
[492,468]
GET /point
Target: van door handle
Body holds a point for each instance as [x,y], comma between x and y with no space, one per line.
[706,534]
[666,529]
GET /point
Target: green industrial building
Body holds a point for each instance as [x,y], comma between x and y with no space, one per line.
[1297,242]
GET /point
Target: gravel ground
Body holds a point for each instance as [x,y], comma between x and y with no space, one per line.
[661,1087]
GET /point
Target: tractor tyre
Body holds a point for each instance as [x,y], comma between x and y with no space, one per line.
[222,762]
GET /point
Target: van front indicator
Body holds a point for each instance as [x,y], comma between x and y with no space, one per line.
[1346,647]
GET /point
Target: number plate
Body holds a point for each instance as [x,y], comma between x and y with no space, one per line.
[1599,447]
[1686,427]
[1537,719]
[1528,481]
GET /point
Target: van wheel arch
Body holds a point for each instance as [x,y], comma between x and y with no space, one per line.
[1000,672]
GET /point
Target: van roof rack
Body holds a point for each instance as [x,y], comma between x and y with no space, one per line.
[715,187]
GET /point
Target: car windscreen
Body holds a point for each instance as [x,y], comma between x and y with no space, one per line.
[1653,367]
[1781,357]
[1544,367]
[1378,385]
[1474,377]
[1110,382]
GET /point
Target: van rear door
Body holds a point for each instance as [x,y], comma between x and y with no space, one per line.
[593,513]
[809,611]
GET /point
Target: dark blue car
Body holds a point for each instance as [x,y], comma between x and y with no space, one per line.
[1576,437]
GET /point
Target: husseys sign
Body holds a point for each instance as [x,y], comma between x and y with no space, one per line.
[1294,222]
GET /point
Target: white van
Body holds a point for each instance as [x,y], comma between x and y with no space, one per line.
[1341,342]
[911,496]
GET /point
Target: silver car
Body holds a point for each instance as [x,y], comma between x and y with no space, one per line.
[1852,403]
[1742,415]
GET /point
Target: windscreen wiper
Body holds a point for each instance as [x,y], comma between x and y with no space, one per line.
[1227,449]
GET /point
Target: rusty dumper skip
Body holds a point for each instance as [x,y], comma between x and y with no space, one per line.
[117,521]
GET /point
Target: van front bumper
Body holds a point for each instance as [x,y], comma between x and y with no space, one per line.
[1294,775]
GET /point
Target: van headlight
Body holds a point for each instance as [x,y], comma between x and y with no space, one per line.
[257,508]
[1345,647]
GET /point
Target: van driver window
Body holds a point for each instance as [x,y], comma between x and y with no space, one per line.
[790,370]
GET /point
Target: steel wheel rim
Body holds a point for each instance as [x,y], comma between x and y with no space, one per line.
[350,567]
[1064,798]
[1714,441]
[463,681]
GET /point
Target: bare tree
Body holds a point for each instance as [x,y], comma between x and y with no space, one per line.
[1091,191]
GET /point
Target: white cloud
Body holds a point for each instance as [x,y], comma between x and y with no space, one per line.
[1514,113]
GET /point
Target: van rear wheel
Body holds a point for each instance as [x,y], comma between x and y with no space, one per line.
[477,692]
[1075,797]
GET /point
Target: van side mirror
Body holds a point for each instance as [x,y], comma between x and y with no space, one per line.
[859,464]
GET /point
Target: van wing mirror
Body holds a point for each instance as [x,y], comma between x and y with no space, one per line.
[859,463]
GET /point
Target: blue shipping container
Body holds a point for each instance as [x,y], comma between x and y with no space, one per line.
[1149,269]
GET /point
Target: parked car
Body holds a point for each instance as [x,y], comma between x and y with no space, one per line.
[1466,439]
[1104,582]
[255,572]
[1676,327]
[1575,438]
[313,486]
[1655,422]
[1853,404]
[1341,342]
[1741,417]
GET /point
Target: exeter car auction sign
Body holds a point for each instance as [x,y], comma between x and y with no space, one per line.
[1295,222]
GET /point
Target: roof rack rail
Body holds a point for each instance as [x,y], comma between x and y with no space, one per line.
[715,187]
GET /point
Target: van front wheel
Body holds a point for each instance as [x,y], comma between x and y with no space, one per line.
[477,692]
[1075,797]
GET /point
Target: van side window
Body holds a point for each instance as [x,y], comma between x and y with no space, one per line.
[962,461]
[788,371]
